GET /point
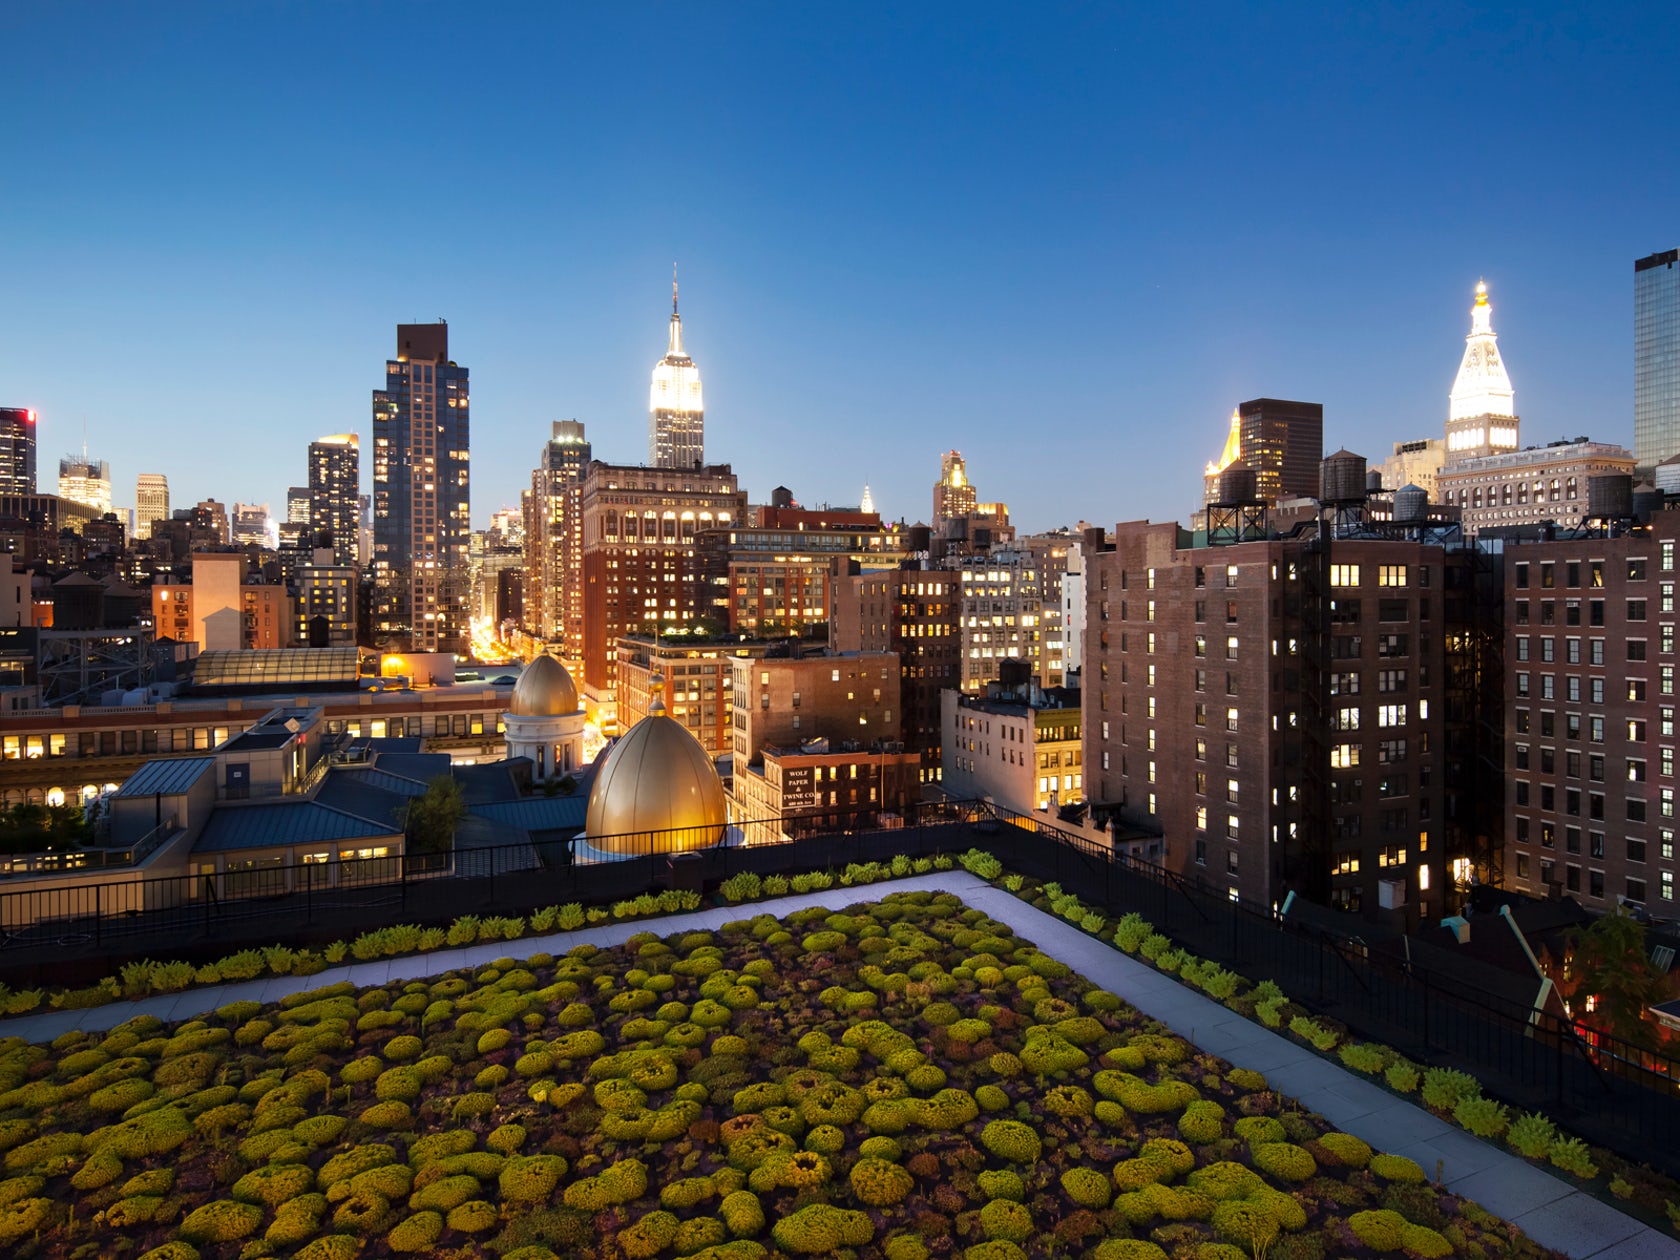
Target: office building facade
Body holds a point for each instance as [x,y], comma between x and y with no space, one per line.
[420,496]
[1281,441]
[151,502]
[334,496]
[17,450]
[1656,358]
[676,409]
[1545,483]
[84,480]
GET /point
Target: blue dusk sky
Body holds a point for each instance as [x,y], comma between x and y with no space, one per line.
[1065,239]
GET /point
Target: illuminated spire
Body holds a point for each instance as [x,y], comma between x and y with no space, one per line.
[1233,447]
[868,504]
[1483,387]
[676,413]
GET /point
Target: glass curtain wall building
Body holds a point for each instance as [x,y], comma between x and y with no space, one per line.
[1656,358]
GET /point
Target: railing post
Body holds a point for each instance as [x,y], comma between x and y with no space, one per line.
[309,892]
[402,879]
[1558,1063]
[1426,1010]
[98,911]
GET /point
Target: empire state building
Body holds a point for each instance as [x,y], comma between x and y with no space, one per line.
[676,415]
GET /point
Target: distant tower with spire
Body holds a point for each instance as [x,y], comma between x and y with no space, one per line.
[1482,409]
[676,414]
[868,504]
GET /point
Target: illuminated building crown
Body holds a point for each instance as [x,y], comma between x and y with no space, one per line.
[1483,387]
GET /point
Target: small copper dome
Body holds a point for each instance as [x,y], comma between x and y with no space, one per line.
[544,689]
[656,791]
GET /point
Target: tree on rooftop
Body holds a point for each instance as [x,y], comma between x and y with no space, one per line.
[429,820]
[1608,980]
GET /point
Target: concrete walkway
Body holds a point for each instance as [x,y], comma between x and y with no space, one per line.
[1550,1210]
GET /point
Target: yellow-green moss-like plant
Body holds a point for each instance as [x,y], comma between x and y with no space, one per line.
[1397,1168]
[23,1218]
[297,1220]
[402,1048]
[175,1250]
[1006,1219]
[418,1232]
[530,1178]
[1011,1140]
[617,1183]
[703,1233]
[331,1247]
[820,1228]
[880,1183]
[1002,1183]
[473,1217]
[1174,1203]
[1128,1249]
[1284,1160]
[687,1192]
[1203,1121]
[1225,1180]
[222,1221]
[1349,1151]
[273,1184]
[445,1194]
[742,1213]
[1139,1096]
[1086,1187]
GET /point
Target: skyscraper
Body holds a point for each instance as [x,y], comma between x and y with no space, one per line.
[953,493]
[335,476]
[676,413]
[420,503]
[297,505]
[86,481]
[553,594]
[1482,409]
[17,450]
[151,502]
[1656,358]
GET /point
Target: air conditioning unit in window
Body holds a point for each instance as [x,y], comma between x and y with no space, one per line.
[1391,893]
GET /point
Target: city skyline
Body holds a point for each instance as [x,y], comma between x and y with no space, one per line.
[979,251]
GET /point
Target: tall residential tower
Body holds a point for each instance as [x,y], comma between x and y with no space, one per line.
[17,450]
[1656,358]
[676,412]
[420,505]
[335,478]
[554,540]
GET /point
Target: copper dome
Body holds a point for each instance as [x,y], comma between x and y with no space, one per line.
[544,689]
[656,791]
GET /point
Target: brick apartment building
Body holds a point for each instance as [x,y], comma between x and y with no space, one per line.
[1590,735]
[1293,714]
[639,576]
[913,614]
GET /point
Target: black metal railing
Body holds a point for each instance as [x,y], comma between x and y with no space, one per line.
[1622,1095]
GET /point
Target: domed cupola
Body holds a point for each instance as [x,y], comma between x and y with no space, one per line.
[656,791]
[544,721]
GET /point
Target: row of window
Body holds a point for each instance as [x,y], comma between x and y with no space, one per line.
[1591,570]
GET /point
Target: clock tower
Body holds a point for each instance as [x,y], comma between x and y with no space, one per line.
[1481,410]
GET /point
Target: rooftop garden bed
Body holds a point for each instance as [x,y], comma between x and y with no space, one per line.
[902,1079]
